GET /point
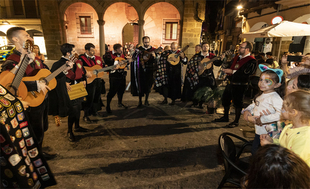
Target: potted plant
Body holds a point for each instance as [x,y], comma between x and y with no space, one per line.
[210,97]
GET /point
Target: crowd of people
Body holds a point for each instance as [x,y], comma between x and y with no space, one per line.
[280,111]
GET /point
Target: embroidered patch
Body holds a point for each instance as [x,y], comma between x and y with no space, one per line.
[9,97]
[30,182]
[33,153]
[2,139]
[1,107]
[21,117]
[5,102]
[37,162]
[29,141]
[14,159]
[31,168]
[7,149]
[18,133]
[22,170]
[8,128]
[23,124]
[37,63]
[26,132]
[45,177]
[18,107]
[14,123]
[27,160]
[42,170]
[79,65]
[2,91]
[12,138]
[22,143]
[34,176]
[98,62]
[24,151]
[11,111]
[37,185]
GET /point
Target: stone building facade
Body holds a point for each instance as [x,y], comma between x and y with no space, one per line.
[108,22]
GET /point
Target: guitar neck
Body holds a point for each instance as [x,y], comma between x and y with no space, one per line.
[104,69]
[20,72]
[55,73]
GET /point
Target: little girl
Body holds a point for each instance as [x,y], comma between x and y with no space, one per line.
[295,137]
[272,86]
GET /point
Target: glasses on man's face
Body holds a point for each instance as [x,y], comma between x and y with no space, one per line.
[241,47]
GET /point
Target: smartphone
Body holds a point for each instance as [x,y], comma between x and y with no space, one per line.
[294,58]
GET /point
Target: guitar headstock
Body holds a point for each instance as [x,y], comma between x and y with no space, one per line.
[28,45]
[74,57]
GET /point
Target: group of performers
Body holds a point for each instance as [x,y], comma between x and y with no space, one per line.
[148,66]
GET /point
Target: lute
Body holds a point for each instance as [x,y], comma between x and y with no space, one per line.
[174,58]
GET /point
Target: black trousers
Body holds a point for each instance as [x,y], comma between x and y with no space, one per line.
[38,118]
[93,100]
[117,85]
[234,93]
[74,113]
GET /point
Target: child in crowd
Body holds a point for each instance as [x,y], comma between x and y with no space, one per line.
[296,136]
[272,86]
[274,166]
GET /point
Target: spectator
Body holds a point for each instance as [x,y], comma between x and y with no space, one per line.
[276,167]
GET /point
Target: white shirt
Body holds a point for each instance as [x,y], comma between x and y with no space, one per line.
[270,101]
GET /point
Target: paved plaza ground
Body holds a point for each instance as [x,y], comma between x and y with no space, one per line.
[159,146]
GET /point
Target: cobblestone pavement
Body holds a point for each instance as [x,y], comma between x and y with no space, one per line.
[159,146]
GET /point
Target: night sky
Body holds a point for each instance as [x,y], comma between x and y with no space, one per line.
[212,7]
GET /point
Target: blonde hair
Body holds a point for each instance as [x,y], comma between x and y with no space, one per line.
[300,101]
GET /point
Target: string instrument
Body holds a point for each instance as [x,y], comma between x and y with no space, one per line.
[174,59]
[207,63]
[146,55]
[43,75]
[98,72]
[12,81]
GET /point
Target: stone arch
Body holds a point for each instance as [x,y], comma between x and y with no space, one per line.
[125,14]
[64,4]
[74,16]
[160,18]
[303,18]
[147,4]
[134,3]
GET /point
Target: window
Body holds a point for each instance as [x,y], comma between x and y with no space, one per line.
[85,25]
[171,31]
[18,7]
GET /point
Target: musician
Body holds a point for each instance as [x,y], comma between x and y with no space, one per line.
[169,83]
[38,116]
[241,67]
[64,107]
[142,71]
[93,102]
[193,82]
[117,77]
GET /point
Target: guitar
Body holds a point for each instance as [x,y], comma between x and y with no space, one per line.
[12,81]
[206,63]
[33,97]
[97,71]
[174,59]
[147,55]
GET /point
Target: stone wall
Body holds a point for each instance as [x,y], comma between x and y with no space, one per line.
[192,27]
[52,31]
[73,26]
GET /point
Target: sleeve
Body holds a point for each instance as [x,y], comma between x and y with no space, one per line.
[250,108]
[277,105]
[8,65]
[31,85]
[250,67]
[300,146]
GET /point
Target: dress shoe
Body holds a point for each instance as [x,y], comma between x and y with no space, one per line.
[164,102]
[108,110]
[71,137]
[80,129]
[48,156]
[222,119]
[172,103]
[232,125]
[139,105]
[122,105]
[146,103]
[87,120]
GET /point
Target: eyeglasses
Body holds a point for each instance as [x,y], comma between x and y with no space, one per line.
[242,47]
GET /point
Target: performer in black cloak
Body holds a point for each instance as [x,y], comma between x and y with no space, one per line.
[142,71]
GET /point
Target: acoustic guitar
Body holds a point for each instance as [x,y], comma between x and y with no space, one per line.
[174,58]
[33,97]
[147,55]
[12,81]
[98,72]
[207,63]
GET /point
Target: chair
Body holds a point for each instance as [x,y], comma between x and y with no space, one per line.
[234,167]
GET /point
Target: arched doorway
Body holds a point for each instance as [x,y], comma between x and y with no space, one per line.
[120,24]
[81,26]
[162,24]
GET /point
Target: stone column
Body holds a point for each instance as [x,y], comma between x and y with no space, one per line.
[101,37]
[141,24]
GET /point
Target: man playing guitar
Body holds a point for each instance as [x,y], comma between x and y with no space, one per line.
[117,77]
[38,116]
[93,102]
